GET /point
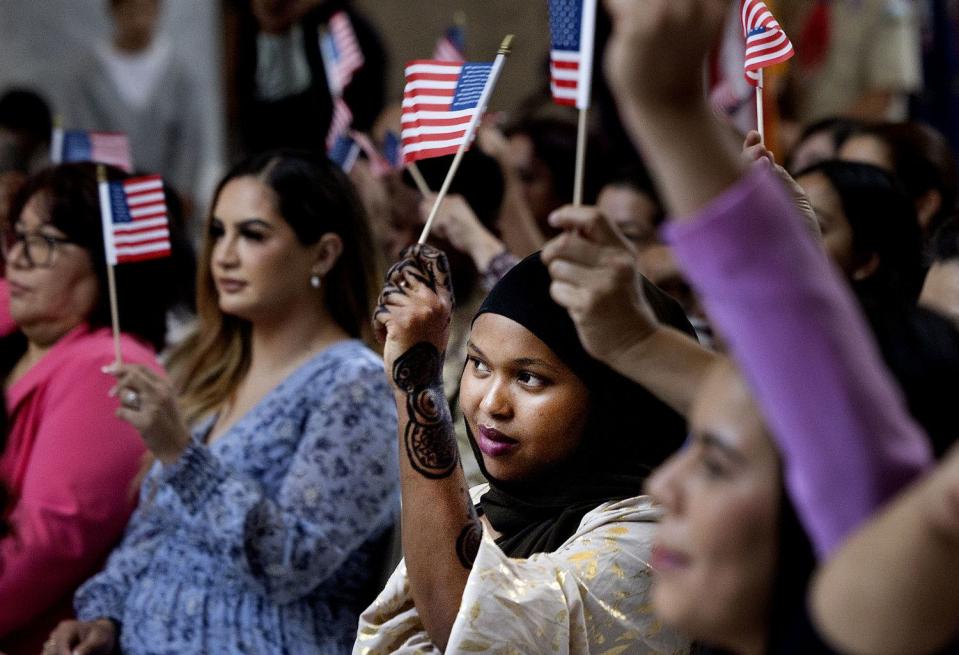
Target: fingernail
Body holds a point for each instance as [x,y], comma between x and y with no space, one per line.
[112,392]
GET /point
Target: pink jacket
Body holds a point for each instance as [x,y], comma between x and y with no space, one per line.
[7,325]
[69,464]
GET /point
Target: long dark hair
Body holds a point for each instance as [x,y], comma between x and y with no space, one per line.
[922,161]
[883,222]
[315,198]
[70,201]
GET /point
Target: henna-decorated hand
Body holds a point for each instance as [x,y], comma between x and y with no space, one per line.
[416,304]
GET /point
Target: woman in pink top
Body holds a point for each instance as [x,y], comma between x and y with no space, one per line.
[69,462]
[6,322]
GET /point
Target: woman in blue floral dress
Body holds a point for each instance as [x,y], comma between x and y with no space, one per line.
[260,526]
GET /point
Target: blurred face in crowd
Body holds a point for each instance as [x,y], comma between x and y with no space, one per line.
[536,180]
[526,409]
[260,268]
[836,231]
[135,22]
[867,149]
[716,549]
[53,285]
[633,212]
[818,146]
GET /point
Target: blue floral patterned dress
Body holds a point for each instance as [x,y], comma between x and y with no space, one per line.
[268,540]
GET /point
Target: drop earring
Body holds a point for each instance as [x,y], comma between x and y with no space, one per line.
[315,281]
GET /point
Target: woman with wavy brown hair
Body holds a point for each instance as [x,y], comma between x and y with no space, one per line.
[260,524]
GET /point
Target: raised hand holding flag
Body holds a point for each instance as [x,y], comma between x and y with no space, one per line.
[135,225]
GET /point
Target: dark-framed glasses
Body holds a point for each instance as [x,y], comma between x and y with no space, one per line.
[38,248]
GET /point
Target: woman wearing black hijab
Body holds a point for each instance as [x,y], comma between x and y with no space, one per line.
[552,554]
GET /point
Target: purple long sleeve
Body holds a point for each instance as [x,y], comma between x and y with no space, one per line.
[796,332]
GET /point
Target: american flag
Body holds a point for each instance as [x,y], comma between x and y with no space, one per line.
[378,163]
[340,123]
[439,103]
[452,45]
[341,52]
[766,42]
[393,150]
[111,148]
[135,225]
[572,26]
[345,152]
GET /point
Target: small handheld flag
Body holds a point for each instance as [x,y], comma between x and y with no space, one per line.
[441,104]
[345,152]
[572,26]
[341,52]
[111,148]
[135,223]
[452,45]
[393,150]
[766,42]
[766,45]
[133,214]
[465,95]
[339,123]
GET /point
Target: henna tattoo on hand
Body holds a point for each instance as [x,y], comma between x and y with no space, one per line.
[428,436]
[468,543]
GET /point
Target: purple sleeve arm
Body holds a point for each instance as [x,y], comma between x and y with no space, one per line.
[795,330]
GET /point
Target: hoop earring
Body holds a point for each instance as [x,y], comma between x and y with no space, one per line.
[315,281]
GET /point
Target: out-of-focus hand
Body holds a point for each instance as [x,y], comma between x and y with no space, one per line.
[416,304]
[594,277]
[457,223]
[148,403]
[97,637]
[657,50]
[492,141]
[755,153]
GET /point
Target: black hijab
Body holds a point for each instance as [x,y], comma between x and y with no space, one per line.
[628,433]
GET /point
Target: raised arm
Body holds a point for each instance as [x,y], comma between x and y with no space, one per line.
[791,322]
[913,605]
[441,532]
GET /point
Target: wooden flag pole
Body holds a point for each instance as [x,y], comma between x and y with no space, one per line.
[417,176]
[106,218]
[470,131]
[580,158]
[760,117]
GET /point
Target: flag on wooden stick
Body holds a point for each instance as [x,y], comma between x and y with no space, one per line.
[572,26]
[135,222]
[431,88]
[440,106]
[110,148]
[341,52]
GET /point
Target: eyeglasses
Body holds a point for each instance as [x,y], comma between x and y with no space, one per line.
[37,248]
